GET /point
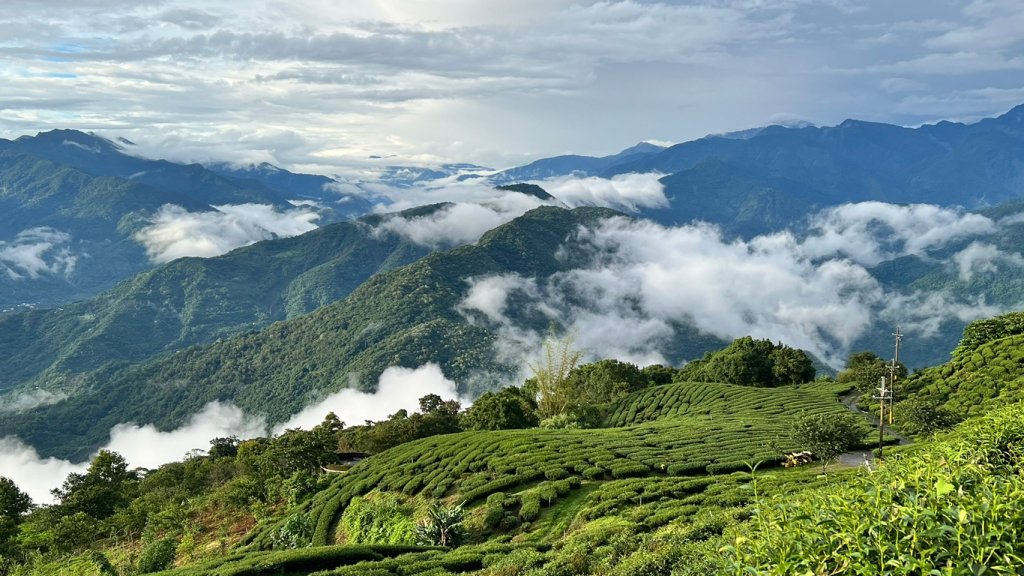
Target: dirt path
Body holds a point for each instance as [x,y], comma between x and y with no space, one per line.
[860,457]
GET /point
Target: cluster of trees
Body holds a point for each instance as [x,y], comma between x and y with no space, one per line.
[751,362]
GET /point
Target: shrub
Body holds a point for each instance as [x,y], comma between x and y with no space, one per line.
[157,555]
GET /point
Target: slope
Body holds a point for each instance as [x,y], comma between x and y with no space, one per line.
[404,317]
[194,301]
[986,371]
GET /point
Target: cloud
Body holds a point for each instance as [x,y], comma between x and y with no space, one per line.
[628,192]
[175,232]
[638,282]
[35,476]
[321,86]
[27,400]
[398,389]
[217,419]
[38,251]
[983,258]
[450,226]
[146,446]
[872,232]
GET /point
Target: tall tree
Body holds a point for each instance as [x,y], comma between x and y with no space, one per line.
[551,375]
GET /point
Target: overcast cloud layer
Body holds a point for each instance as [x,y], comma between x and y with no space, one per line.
[322,86]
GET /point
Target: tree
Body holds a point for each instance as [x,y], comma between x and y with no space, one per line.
[13,502]
[751,362]
[603,382]
[223,447]
[550,377]
[865,371]
[13,505]
[656,374]
[791,366]
[442,526]
[507,409]
[920,416]
[829,435]
[105,487]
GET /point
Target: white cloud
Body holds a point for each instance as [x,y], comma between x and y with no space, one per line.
[638,281]
[145,446]
[175,232]
[628,192]
[34,475]
[398,389]
[148,447]
[872,232]
[27,400]
[449,226]
[38,251]
[983,258]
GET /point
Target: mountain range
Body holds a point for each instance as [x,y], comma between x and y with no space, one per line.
[278,324]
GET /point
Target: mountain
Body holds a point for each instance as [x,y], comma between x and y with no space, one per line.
[73,202]
[198,300]
[407,317]
[575,165]
[407,176]
[790,172]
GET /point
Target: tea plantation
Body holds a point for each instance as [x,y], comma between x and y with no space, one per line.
[724,400]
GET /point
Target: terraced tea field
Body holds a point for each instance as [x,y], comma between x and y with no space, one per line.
[721,400]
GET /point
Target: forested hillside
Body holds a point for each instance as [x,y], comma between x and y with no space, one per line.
[195,301]
[683,482]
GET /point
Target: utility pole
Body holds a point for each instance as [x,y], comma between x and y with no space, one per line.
[884,395]
[898,336]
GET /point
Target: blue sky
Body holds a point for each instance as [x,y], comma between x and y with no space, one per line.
[321,85]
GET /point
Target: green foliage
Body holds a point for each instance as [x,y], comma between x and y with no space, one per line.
[751,362]
[381,519]
[709,399]
[13,502]
[984,331]
[865,371]
[437,417]
[297,561]
[442,526]
[919,416]
[507,409]
[603,382]
[295,532]
[829,435]
[551,376]
[952,508]
[989,377]
[98,493]
[157,555]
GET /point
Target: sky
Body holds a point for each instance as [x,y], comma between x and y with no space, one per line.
[325,86]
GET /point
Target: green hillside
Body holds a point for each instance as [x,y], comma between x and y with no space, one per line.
[986,371]
[403,317]
[687,486]
[711,399]
[194,301]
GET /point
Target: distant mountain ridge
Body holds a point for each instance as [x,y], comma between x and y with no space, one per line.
[575,165]
[788,173]
[91,195]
